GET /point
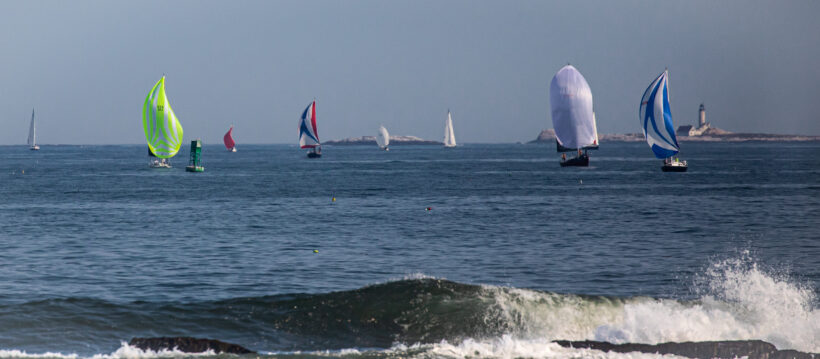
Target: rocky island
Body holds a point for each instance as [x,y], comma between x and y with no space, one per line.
[371,141]
[702,131]
[712,134]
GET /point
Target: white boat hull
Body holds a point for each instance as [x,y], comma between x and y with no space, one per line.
[159,164]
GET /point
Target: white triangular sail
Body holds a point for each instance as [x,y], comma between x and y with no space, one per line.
[572,116]
[32,137]
[656,118]
[595,128]
[449,135]
[382,137]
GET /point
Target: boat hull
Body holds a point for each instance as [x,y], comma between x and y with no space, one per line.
[34,148]
[580,161]
[195,168]
[314,155]
[667,168]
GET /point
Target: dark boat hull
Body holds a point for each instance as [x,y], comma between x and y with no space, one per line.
[314,155]
[666,168]
[580,161]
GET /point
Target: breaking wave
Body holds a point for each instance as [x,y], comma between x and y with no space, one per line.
[423,316]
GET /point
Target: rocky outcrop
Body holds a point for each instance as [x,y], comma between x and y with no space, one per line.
[545,136]
[717,136]
[188,345]
[753,349]
[548,137]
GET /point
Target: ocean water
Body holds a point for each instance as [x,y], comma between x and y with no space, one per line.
[514,251]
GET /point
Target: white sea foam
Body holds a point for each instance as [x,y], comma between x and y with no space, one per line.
[124,352]
[416,276]
[739,301]
[505,347]
[508,347]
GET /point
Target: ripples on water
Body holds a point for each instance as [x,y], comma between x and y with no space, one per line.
[98,248]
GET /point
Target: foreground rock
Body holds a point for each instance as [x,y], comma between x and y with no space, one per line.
[188,345]
[753,349]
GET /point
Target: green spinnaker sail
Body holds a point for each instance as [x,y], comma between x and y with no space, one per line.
[163,132]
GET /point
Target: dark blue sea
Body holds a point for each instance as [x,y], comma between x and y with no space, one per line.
[478,251]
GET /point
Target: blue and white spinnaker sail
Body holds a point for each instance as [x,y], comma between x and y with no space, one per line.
[656,118]
[308,135]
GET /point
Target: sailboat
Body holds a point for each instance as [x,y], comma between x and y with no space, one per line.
[163,132]
[230,144]
[308,135]
[449,136]
[656,122]
[572,116]
[32,137]
[383,138]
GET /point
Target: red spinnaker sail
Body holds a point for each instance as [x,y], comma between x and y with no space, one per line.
[229,143]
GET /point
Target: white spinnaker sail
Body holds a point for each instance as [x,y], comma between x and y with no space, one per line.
[572,117]
[32,139]
[382,137]
[449,136]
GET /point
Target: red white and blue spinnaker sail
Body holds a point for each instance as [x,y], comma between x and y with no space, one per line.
[656,118]
[308,135]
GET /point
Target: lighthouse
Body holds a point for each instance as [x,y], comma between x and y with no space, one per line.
[702,126]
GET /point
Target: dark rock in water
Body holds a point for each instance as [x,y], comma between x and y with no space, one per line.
[188,345]
[753,349]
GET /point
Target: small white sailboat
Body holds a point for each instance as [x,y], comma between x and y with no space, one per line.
[32,135]
[163,132]
[656,122]
[383,138]
[449,136]
[308,134]
[572,116]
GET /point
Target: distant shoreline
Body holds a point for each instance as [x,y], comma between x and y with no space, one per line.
[371,141]
[548,136]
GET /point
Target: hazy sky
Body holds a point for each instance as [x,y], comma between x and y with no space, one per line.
[86,66]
